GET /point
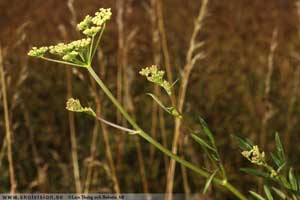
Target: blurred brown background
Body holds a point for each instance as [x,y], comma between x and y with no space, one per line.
[229,89]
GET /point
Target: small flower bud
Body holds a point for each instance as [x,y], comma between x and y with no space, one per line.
[84,24]
[75,106]
[92,31]
[38,52]
[70,56]
[102,16]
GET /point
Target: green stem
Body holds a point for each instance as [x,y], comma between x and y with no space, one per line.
[98,41]
[90,51]
[61,62]
[144,135]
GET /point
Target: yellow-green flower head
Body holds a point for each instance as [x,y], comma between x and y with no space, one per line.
[61,49]
[156,76]
[73,105]
[255,156]
[38,52]
[70,56]
[84,24]
[91,31]
[64,49]
[102,16]
[81,44]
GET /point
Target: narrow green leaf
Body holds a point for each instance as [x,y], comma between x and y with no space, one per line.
[284,182]
[279,148]
[209,180]
[207,131]
[202,142]
[268,192]
[280,167]
[255,172]
[244,144]
[257,196]
[171,110]
[279,193]
[276,160]
[293,180]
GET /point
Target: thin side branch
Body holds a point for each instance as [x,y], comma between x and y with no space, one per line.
[13,183]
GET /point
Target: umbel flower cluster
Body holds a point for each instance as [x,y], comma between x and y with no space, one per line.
[90,26]
[156,76]
[80,51]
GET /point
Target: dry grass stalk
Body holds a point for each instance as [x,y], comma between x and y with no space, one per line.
[157,60]
[13,183]
[167,63]
[110,158]
[73,135]
[164,45]
[120,62]
[74,151]
[191,59]
[270,110]
[71,119]
[3,151]
[269,107]
[91,158]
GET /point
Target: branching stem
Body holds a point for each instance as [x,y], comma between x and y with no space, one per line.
[167,152]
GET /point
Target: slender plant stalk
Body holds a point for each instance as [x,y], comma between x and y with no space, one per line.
[270,111]
[2,152]
[120,68]
[186,186]
[73,136]
[13,183]
[156,59]
[269,107]
[110,160]
[164,43]
[142,166]
[144,135]
[191,59]
[93,150]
